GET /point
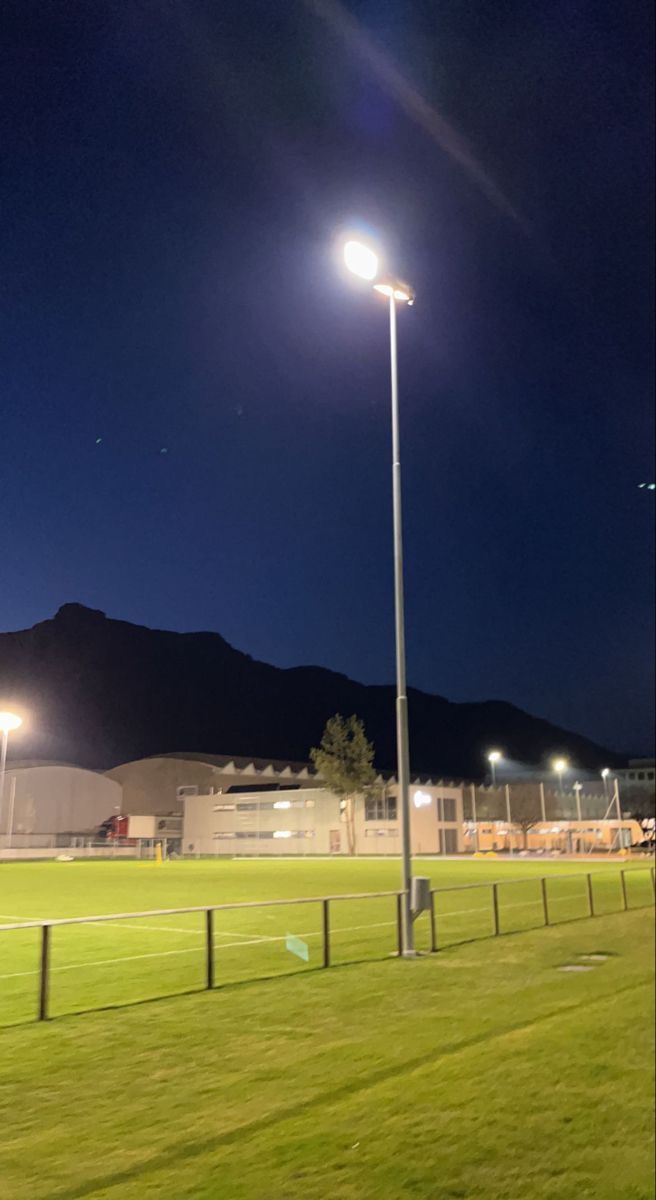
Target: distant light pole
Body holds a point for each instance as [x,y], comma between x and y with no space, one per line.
[560,765]
[8,722]
[577,790]
[605,776]
[362,261]
[494,757]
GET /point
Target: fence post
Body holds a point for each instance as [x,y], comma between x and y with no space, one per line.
[433,924]
[495,909]
[399,922]
[326,933]
[590,896]
[623,883]
[209,927]
[545,906]
[43,976]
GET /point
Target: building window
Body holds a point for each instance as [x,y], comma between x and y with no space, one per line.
[224,808]
[187,790]
[219,837]
[247,808]
[380,808]
[449,808]
[381,833]
[641,774]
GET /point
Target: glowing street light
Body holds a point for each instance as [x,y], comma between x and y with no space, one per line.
[494,757]
[605,775]
[8,722]
[363,261]
[560,765]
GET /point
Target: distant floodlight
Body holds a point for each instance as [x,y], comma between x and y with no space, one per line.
[9,721]
[361,260]
[605,773]
[560,765]
[494,757]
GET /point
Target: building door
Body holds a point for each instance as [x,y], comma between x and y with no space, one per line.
[335,841]
[448,841]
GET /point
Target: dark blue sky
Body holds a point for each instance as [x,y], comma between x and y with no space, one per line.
[174,178]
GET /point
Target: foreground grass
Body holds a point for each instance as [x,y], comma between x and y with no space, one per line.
[481,1072]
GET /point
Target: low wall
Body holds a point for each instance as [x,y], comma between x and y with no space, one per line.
[17,854]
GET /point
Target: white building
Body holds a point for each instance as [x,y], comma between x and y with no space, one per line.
[639,776]
[159,784]
[45,800]
[313,821]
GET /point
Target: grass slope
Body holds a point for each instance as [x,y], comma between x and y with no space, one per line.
[480,1073]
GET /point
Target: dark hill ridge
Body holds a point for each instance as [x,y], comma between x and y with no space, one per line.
[100,692]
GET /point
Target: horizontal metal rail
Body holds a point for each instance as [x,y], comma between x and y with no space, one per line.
[463,887]
[196,908]
[201,908]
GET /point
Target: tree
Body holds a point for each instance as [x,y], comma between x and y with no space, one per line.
[344,760]
[525,808]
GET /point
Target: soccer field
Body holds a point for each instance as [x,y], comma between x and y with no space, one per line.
[117,962]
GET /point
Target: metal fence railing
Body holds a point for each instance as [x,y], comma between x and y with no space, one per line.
[73,964]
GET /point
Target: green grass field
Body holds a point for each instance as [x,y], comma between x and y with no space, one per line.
[117,962]
[481,1073]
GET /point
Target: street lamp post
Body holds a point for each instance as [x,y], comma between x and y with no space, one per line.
[493,758]
[605,775]
[8,722]
[577,790]
[363,261]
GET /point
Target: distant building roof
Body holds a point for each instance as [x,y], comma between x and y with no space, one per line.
[239,761]
[22,764]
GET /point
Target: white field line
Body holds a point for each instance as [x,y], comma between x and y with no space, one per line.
[269,916]
[233,933]
[137,928]
[105,962]
[124,925]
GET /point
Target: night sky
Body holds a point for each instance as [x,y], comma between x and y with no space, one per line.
[195,411]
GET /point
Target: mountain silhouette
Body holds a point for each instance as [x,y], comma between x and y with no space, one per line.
[98,692]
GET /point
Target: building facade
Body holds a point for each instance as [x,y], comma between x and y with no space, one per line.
[50,800]
[639,771]
[314,821]
[160,784]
